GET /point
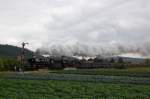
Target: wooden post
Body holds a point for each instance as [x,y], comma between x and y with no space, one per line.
[23,56]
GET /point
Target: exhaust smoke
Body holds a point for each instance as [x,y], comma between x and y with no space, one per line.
[103,50]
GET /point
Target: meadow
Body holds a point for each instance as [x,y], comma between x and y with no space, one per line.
[50,89]
[130,83]
[135,71]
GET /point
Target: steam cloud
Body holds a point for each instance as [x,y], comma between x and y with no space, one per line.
[94,50]
[100,28]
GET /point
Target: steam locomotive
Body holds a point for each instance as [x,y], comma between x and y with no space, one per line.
[53,62]
[61,62]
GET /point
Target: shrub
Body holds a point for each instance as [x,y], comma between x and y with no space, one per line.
[7,64]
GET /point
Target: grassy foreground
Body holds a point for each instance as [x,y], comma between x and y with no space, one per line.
[40,89]
[71,89]
[136,71]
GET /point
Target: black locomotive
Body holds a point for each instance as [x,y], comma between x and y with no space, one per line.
[53,62]
[61,62]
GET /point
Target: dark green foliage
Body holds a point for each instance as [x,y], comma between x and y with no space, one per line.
[13,51]
[38,89]
[8,57]
[7,64]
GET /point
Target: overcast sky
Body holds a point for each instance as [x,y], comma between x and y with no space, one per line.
[93,23]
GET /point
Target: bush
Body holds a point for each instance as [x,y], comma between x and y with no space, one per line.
[7,64]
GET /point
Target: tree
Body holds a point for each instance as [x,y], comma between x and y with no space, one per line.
[7,64]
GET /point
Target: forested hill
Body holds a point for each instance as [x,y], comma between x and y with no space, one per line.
[13,51]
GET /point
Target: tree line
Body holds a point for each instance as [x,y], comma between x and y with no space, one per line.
[8,64]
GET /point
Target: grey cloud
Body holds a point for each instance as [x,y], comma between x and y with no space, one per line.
[85,26]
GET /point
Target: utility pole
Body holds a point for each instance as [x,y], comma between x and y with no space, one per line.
[23,55]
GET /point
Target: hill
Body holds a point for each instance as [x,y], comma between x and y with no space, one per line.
[13,51]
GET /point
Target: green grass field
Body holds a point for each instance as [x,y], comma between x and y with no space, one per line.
[38,89]
[136,71]
[19,88]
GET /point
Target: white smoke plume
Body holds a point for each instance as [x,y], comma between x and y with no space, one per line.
[95,50]
[100,27]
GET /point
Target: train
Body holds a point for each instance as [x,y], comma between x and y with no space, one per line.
[53,62]
[61,62]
